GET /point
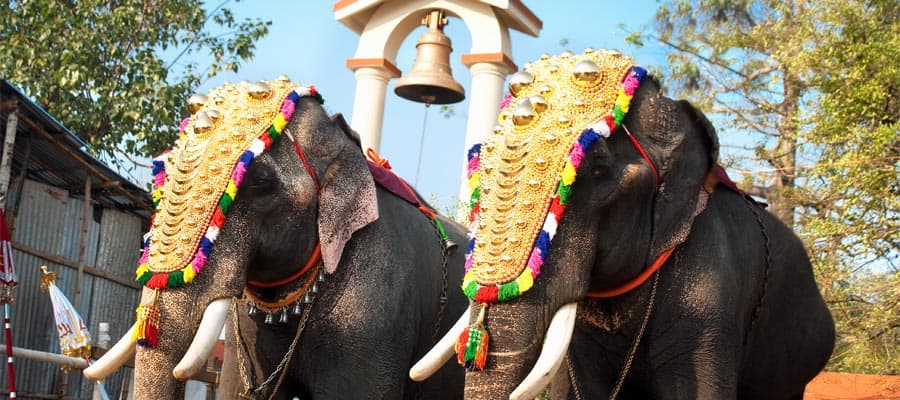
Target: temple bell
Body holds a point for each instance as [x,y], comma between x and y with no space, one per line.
[430,80]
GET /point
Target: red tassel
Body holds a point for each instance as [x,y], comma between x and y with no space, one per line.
[481,350]
[461,346]
[472,345]
[146,331]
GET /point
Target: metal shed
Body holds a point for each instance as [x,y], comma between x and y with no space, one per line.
[71,212]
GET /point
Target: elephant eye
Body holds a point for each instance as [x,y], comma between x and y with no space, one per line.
[260,180]
[600,164]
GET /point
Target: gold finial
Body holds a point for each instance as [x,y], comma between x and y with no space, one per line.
[203,124]
[260,90]
[196,102]
[47,278]
[214,115]
[586,71]
[524,113]
[518,81]
[539,103]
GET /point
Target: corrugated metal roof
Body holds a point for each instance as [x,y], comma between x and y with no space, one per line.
[46,206]
[58,158]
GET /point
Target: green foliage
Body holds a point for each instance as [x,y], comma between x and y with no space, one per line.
[805,96]
[114,72]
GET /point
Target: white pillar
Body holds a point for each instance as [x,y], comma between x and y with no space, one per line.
[368,104]
[484,106]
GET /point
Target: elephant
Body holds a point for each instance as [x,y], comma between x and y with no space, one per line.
[331,285]
[613,258]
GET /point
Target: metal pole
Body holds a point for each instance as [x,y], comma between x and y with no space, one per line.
[11,372]
[421,145]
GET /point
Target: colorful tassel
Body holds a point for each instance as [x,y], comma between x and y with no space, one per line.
[146,331]
[472,345]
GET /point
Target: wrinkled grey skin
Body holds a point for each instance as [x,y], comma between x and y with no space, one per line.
[373,317]
[694,346]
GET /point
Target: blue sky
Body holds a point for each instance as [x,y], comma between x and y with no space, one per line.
[306,43]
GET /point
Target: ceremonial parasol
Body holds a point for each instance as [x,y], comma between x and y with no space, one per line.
[8,285]
[74,338]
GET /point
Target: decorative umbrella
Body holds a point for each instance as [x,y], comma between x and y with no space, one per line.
[8,285]
[74,338]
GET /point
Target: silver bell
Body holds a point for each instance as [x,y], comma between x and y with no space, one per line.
[269,319]
[315,288]
[307,299]
[298,309]
[253,310]
[449,244]
[321,277]
[284,317]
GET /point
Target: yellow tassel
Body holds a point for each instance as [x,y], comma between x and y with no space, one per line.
[146,330]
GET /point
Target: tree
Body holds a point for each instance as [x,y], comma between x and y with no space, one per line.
[114,72]
[805,98]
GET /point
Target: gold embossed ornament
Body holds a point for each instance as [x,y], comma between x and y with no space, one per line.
[196,182]
[521,177]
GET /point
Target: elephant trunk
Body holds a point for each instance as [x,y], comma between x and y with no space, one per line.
[185,342]
[520,362]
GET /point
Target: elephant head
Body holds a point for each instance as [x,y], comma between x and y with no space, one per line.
[592,180]
[221,223]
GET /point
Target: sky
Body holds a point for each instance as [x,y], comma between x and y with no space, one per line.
[306,43]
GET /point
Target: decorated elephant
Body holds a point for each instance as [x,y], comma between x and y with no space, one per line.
[331,285]
[613,256]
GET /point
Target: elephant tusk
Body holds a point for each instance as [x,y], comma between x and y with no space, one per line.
[204,340]
[117,356]
[556,343]
[438,355]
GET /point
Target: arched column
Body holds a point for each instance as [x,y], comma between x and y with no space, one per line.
[488,74]
[372,77]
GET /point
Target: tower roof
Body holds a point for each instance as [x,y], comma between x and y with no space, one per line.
[355,14]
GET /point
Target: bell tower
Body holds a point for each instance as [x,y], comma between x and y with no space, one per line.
[384,24]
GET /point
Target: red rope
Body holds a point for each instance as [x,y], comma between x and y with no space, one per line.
[637,281]
[640,149]
[307,166]
[381,162]
[312,262]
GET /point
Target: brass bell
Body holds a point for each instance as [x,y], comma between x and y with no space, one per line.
[430,80]
[449,245]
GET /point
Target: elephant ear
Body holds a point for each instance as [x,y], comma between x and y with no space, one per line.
[689,151]
[347,201]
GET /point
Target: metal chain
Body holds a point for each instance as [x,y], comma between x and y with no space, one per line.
[284,360]
[765,284]
[572,381]
[637,340]
[443,299]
